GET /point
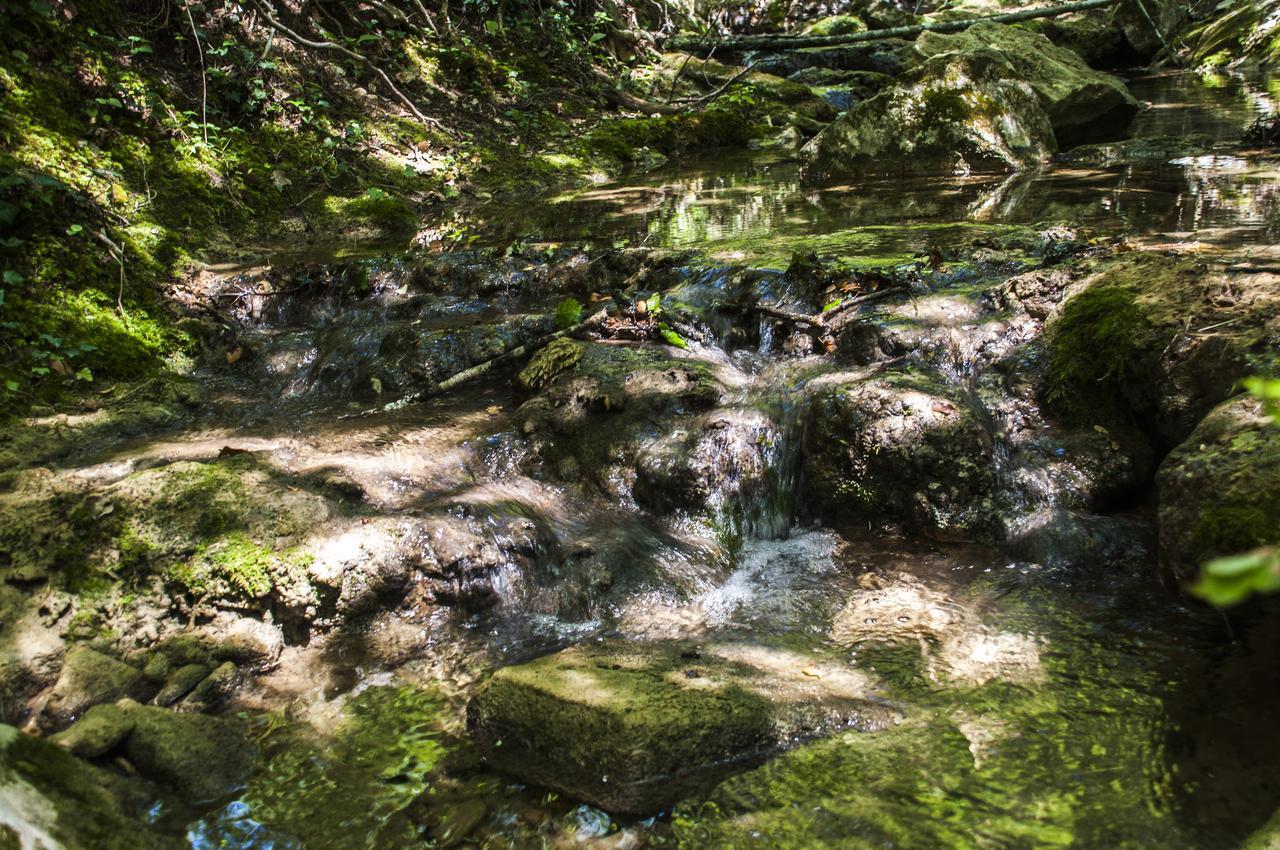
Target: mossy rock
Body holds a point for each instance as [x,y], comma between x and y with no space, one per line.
[903,449]
[1239,35]
[1120,351]
[632,727]
[228,527]
[200,756]
[836,25]
[953,113]
[1082,104]
[77,805]
[546,365]
[91,678]
[1219,492]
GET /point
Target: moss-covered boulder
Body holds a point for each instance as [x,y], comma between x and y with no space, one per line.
[90,678]
[953,113]
[1157,340]
[899,448]
[1219,491]
[200,756]
[993,96]
[1082,104]
[632,727]
[54,800]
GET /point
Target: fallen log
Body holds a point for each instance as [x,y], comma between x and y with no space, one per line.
[779,42]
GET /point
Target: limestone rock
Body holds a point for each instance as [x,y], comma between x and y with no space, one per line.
[1219,491]
[632,727]
[90,678]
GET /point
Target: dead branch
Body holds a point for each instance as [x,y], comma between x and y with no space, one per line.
[792,42]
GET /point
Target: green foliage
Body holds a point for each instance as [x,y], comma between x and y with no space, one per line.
[568,313]
[670,337]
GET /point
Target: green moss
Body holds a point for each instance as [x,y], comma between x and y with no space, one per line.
[1092,349]
[1234,527]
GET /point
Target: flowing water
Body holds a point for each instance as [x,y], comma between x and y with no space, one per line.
[1047,704]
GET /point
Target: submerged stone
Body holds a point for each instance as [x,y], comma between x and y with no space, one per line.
[632,727]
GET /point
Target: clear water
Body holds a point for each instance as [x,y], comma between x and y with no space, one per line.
[1045,707]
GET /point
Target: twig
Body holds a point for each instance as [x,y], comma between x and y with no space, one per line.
[117,254]
[345,51]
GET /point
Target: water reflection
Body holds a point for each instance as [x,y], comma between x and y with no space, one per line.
[756,209]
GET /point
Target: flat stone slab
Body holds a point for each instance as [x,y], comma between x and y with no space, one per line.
[632,727]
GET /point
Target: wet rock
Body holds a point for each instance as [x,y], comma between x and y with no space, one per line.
[1265,131]
[200,756]
[1092,36]
[631,727]
[101,729]
[213,690]
[889,57]
[1121,348]
[1059,538]
[720,460]
[90,678]
[899,448]
[1219,491]
[1149,25]
[1082,104]
[600,415]
[55,800]
[180,683]
[545,366]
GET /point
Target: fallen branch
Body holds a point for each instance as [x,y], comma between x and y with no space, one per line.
[345,51]
[792,42]
[832,319]
[454,381]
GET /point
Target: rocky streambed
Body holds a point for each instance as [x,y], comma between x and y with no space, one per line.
[849,536]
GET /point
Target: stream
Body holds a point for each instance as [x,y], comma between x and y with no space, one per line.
[1049,692]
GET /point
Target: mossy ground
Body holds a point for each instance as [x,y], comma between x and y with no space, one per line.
[122,164]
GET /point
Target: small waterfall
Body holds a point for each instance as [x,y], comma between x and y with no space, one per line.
[769,512]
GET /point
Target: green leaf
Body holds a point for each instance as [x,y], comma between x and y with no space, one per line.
[12,278]
[12,386]
[1232,579]
[74,229]
[654,304]
[84,374]
[596,37]
[492,27]
[568,313]
[831,305]
[671,337]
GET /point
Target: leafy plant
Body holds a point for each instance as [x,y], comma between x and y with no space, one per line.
[568,313]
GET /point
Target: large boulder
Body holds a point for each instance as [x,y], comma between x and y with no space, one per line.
[200,756]
[952,114]
[1157,341]
[1219,491]
[1082,104]
[901,448]
[632,727]
[90,678]
[993,96]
